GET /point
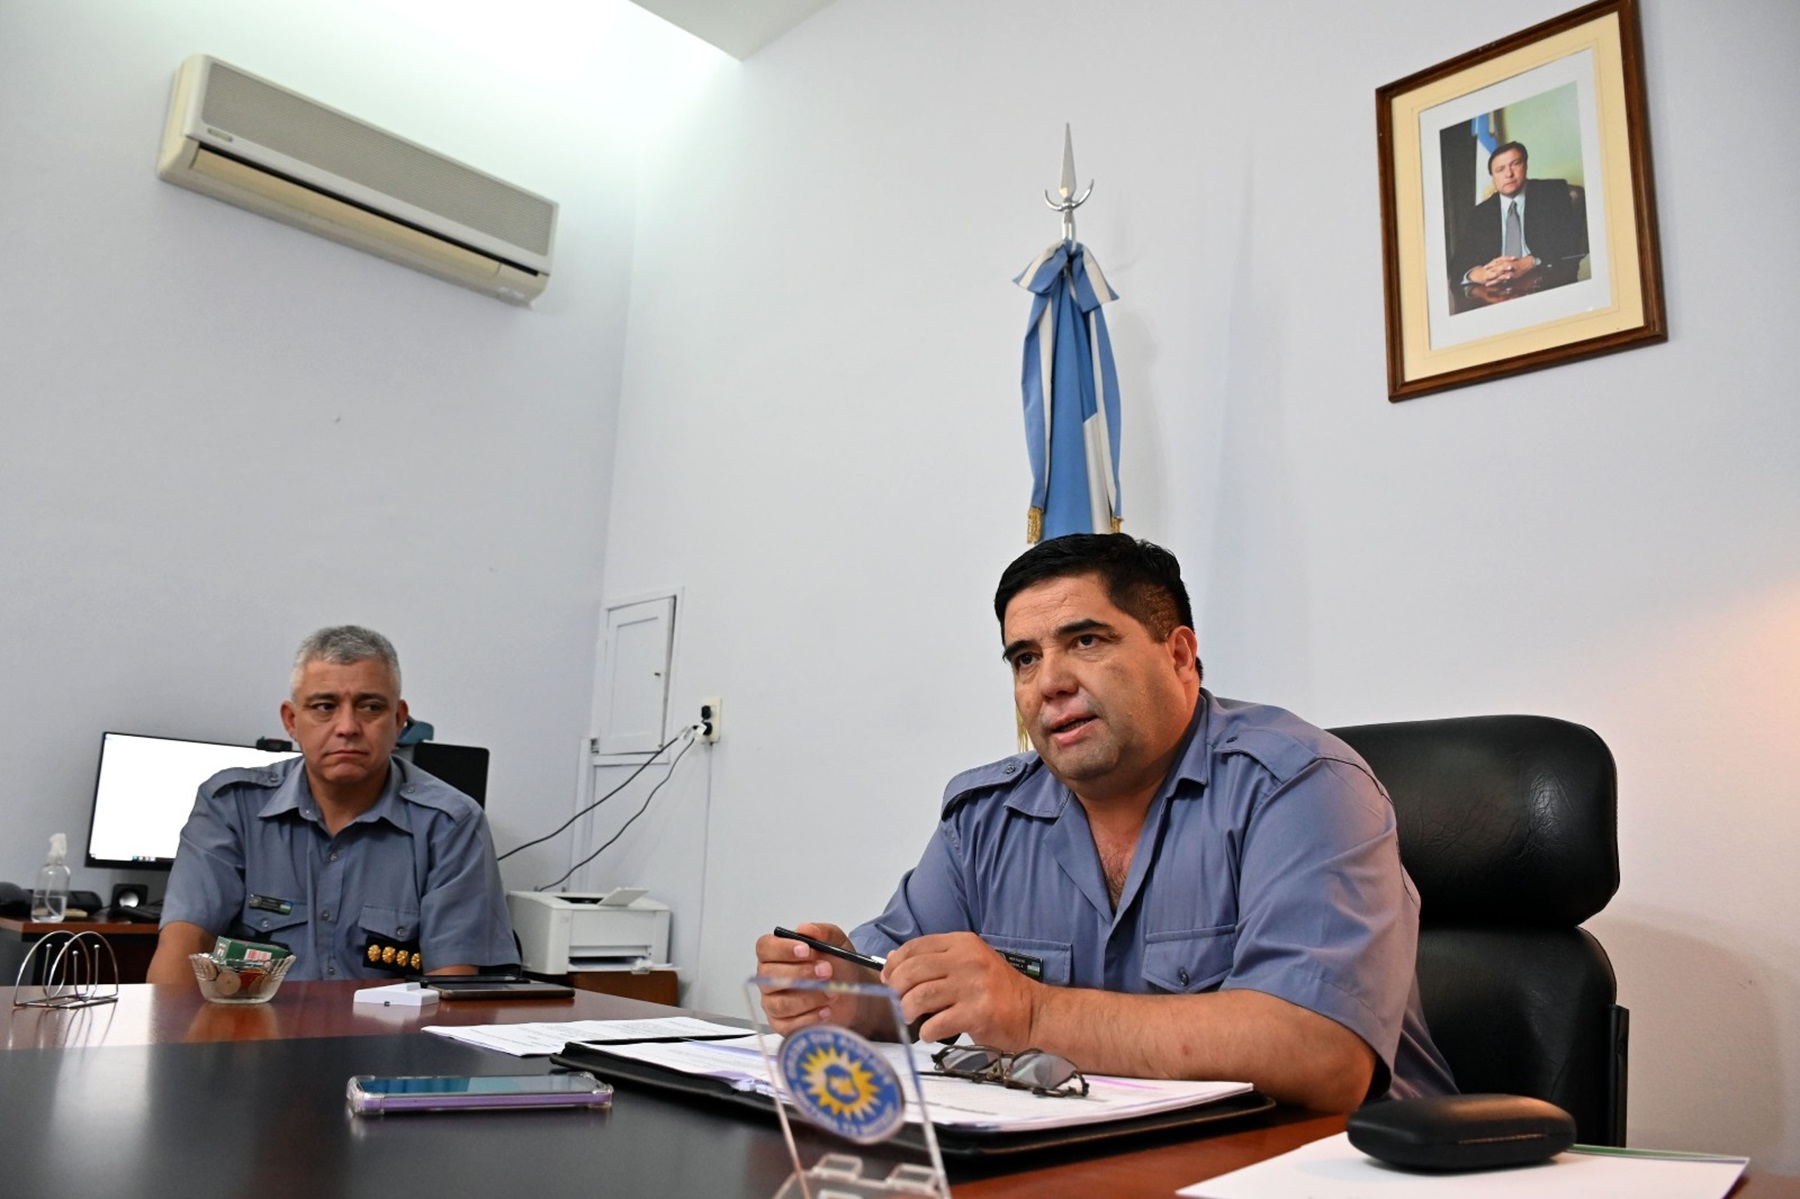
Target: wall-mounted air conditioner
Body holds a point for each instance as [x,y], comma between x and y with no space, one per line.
[248,142]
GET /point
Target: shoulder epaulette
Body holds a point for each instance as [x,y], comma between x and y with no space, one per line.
[1282,755]
[1007,772]
[249,776]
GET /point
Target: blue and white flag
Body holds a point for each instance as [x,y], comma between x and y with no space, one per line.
[1487,140]
[1071,396]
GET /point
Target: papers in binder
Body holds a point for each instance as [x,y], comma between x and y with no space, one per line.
[954,1102]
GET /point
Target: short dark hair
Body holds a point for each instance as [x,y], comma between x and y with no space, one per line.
[1142,580]
[1524,154]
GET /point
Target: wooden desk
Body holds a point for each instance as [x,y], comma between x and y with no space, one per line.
[170,1014]
[177,1084]
[660,984]
[133,944]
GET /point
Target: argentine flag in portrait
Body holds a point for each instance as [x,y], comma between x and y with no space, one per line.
[1071,393]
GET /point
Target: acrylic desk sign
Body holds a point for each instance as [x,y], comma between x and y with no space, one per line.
[852,1088]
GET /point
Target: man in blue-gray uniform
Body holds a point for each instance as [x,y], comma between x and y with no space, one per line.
[360,863]
[1202,888]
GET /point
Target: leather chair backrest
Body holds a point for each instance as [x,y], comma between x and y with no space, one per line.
[1508,827]
[1578,201]
[1503,819]
[1529,1012]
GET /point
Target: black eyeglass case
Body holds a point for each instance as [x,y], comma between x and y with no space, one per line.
[1461,1132]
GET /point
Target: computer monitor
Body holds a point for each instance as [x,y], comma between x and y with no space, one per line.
[464,767]
[144,791]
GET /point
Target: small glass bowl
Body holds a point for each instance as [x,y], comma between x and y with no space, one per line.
[241,982]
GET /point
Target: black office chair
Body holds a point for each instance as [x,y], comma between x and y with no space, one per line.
[1509,828]
[1578,202]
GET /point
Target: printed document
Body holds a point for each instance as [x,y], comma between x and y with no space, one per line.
[540,1039]
[1335,1169]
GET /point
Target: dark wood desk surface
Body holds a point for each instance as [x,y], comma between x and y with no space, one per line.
[160,1015]
[132,943]
[157,1037]
[31,929]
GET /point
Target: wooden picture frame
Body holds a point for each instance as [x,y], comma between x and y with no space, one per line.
[1589,279]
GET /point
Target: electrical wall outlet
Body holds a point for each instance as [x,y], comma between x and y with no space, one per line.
[711,715]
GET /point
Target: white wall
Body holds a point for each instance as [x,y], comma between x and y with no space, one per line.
[819,439]
[218,433]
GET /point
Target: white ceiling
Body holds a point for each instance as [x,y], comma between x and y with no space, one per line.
[738,27]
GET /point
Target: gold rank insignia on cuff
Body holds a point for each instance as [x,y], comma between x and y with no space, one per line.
[394,957]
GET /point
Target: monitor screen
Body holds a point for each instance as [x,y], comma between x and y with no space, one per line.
[145,790]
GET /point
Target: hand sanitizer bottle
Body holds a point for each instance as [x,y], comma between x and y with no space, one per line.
[50,897]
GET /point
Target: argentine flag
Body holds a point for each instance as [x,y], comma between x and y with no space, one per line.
[1487,140]
[1071,396]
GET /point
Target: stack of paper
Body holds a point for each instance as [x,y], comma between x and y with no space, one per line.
[708,1050]
[953,1102]
[539,1039]
[1335,1169]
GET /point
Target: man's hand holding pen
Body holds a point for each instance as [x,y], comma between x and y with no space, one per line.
[779,956]
[948,983]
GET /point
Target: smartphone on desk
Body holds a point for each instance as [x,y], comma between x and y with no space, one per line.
[369,1093]
[481,986]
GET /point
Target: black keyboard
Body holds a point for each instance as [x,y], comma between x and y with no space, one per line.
[143,913]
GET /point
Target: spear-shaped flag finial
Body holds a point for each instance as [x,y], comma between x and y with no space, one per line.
[1068,179]
[1069,201]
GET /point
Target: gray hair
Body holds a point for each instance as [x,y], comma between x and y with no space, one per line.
[341,645]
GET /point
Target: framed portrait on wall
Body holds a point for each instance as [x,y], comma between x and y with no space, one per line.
[1518,216]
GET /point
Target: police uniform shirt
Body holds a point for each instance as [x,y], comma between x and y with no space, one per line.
[1268,860]
[414,872]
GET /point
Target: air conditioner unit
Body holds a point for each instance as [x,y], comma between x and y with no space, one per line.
[246,141]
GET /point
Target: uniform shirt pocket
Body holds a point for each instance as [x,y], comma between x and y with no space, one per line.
[390,940]
[286,928]
[393,924]
[1055,956]
[1189,962]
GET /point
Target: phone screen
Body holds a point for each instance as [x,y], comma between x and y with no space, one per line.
[491,1084]
[368,1093]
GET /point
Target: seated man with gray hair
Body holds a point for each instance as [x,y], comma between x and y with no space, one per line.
[359,862]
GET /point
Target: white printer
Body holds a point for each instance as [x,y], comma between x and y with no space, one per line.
[573,931]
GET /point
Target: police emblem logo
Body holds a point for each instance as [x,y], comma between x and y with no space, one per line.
[841,1082]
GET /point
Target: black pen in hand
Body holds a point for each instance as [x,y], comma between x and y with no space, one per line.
[836,951]
[859,959]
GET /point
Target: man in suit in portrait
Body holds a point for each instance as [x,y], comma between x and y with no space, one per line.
[1527,226]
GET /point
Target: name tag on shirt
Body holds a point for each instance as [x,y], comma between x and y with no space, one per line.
[266,903]
[1032,968]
